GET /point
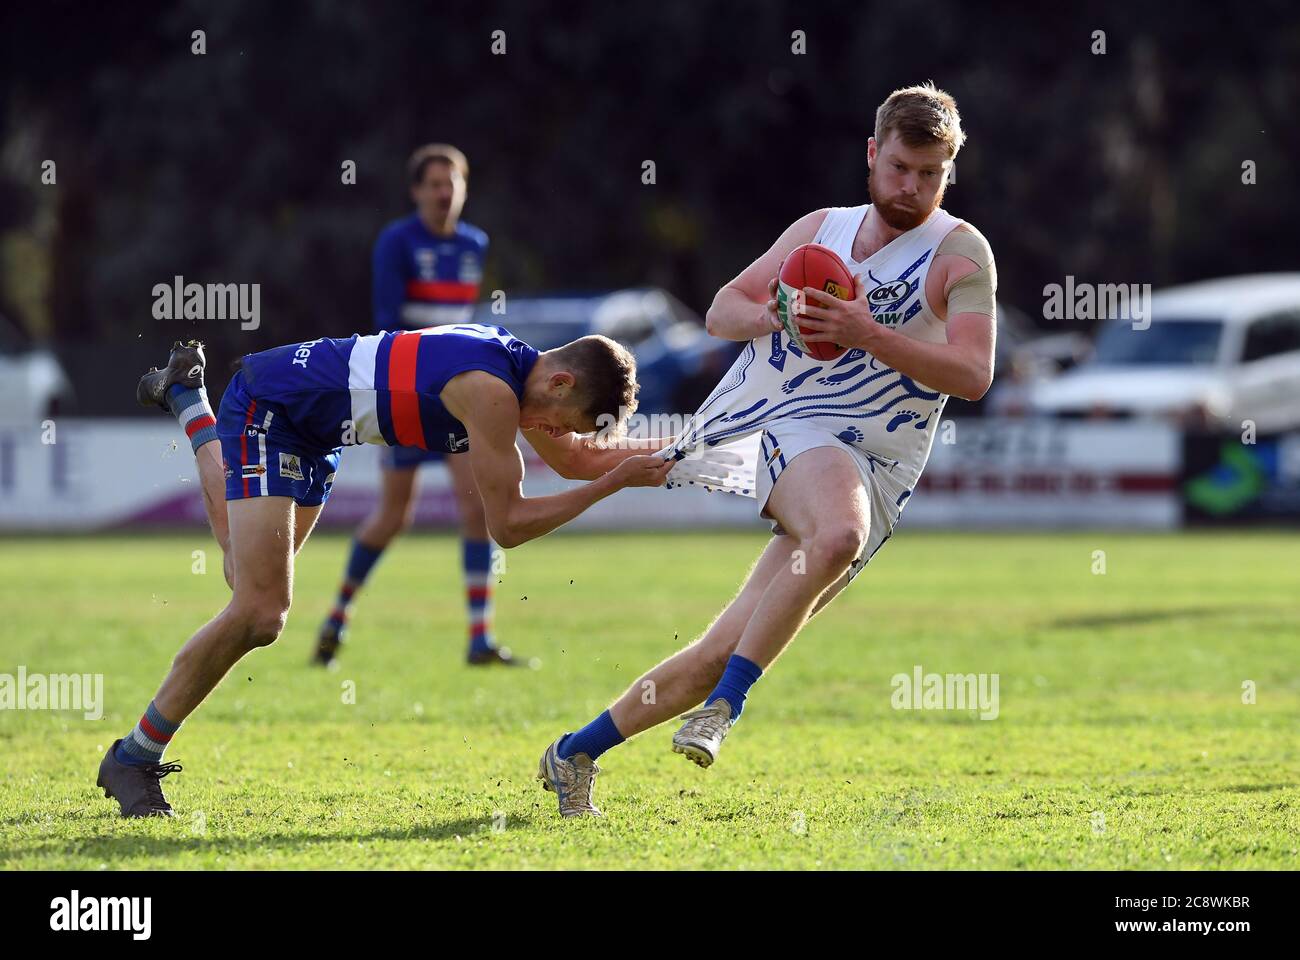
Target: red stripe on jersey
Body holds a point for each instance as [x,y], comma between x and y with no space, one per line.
[441,291]
[198,423]
[405,403]
[477,593]
[243,441]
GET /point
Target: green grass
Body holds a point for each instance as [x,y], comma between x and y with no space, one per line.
[1121,697]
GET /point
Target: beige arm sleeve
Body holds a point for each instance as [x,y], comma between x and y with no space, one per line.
[974,292]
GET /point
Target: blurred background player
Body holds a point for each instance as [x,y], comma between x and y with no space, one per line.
[426,272]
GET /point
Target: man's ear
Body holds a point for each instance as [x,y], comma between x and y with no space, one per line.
[561,378]
[871,151]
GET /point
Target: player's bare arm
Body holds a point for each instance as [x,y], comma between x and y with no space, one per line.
[580,456]
[490,412]
[746,307]
[961,367]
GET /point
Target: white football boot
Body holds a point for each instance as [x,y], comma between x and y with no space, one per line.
[570,780]
[701,736]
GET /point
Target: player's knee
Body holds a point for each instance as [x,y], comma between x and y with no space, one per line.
[396,519]
[833,548]
[404,520]
[263,621]
[381,529]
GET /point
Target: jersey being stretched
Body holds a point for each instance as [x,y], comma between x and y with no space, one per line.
[383,388]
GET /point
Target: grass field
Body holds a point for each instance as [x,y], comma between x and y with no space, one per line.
[1122,740]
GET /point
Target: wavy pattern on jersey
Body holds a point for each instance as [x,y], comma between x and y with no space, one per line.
[851,411]
[738,371]
[817,402]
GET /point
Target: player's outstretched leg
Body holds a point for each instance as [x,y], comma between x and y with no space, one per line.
[263,539]
[178,389]
[568,767]
[827,541]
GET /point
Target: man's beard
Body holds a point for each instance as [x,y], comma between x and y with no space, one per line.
[901,218]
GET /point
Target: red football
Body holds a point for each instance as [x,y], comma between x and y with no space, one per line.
[813,265]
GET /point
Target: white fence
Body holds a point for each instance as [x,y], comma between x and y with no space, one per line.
[98,474]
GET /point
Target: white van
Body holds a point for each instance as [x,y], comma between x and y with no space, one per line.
[1217,353]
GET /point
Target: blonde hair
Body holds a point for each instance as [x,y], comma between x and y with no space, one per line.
[921,115]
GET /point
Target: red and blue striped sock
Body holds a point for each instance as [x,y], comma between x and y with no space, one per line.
[737,678]
[192,409]
[148,740]
[476,560]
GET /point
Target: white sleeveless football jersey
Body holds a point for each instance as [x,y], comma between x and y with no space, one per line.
[888,418]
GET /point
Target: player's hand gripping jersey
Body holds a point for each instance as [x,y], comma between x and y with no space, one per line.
[288,410]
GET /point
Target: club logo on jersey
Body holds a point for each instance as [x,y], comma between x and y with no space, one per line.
[470,269]
[290,466]
[426,259]
[225,468]
[888,294]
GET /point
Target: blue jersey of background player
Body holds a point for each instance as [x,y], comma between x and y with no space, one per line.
[424,279]
[427,268]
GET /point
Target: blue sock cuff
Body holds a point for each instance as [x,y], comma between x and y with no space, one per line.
[122,754]
[745,668]
[740,674]
[181,398]
[361,560]
[476,555]
[593,739]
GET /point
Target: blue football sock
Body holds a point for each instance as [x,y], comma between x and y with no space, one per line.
[737,678]
[593,739]
[361,560]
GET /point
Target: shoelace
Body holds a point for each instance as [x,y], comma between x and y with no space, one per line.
[583,778]
[713,724]
[155,772]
